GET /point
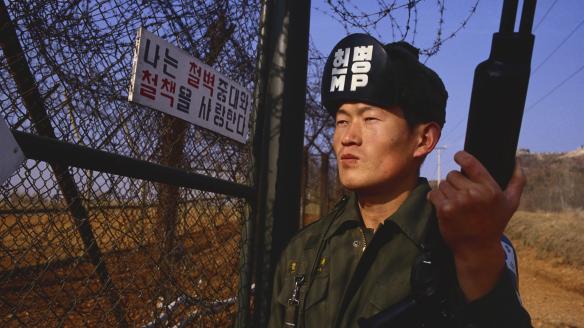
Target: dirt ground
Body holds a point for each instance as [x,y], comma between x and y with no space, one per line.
[71,295]
[552,291]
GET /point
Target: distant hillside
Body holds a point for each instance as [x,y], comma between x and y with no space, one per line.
[555,181]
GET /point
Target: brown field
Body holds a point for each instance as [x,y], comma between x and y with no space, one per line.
[551,266]
[553,235]
[46,281]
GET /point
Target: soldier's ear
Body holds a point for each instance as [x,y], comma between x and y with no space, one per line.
[427,136]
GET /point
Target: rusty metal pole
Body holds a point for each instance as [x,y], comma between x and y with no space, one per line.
[280,141]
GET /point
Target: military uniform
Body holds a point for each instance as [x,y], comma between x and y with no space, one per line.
[335,271]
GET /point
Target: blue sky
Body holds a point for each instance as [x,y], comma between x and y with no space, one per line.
[553,122]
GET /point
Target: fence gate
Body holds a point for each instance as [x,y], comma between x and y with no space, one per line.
[121,216]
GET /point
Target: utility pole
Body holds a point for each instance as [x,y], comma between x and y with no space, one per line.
[439,149]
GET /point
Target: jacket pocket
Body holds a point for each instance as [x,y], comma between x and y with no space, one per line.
[386,296]
[317,292]
[317,304]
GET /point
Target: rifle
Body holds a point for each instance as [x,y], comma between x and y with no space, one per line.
[494,122]
[499,92]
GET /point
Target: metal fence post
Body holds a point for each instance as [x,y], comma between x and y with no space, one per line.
[279,157]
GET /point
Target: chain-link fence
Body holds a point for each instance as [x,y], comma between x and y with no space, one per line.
[89,247]
[86,248]
[321,186]
[48,279]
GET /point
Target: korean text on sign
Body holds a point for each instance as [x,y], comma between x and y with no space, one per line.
[169,80]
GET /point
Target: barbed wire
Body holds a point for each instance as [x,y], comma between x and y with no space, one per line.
[397,17]
[80,55]
[400,18]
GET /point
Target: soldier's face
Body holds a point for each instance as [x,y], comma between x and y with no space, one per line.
[374,147]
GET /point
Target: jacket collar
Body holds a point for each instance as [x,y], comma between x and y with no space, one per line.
[411,217]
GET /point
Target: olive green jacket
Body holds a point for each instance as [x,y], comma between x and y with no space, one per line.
[315,270]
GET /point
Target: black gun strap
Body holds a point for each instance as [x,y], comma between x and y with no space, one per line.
[380,238]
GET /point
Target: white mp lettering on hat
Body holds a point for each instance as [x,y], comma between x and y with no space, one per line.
[361,65]
[339,71]
[359,80]
[362,56]
[337,83]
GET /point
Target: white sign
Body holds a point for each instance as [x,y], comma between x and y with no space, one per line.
[170,80]
[11,155]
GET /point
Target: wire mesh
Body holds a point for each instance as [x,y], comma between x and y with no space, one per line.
[322,188]
[47,279]
[110,250]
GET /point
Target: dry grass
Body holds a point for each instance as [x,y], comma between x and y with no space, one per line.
[46,280]
[36,239]
[558,236]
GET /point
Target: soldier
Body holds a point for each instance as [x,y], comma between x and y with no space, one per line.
[395,253]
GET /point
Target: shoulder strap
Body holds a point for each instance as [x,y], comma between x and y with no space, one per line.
[424,282]
[380,238]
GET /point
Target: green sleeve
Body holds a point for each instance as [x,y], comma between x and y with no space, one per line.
[500,308]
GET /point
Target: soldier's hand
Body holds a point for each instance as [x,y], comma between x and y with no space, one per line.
[472,213]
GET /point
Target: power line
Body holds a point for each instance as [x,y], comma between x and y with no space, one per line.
[459,137]
[445,138]
[545,15]
[559,46]
[580,24]
[555,88]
